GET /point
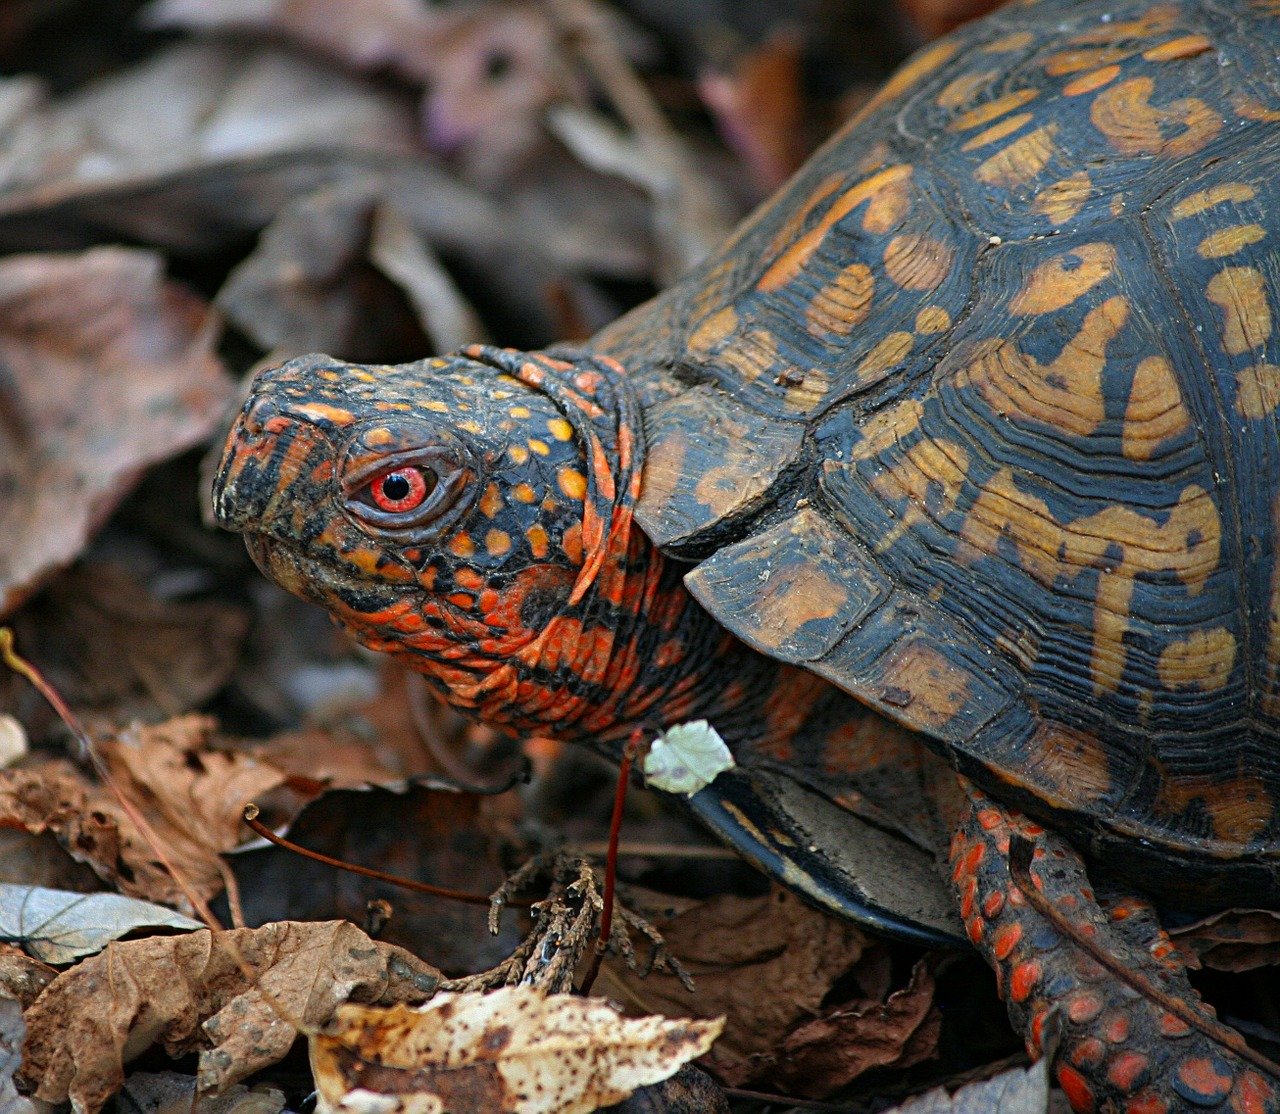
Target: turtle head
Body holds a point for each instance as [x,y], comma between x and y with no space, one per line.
[444,509]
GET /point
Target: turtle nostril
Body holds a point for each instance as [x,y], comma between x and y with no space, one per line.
[256,417]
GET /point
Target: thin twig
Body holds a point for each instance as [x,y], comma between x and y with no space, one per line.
[90,750]
[1021,852]
[251,819]
[611,859]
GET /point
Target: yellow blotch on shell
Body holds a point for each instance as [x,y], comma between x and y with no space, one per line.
[560,429]
[917,262]
[1021,160]
[1062,200]
[1060,281]
[523,493]
[497,542]
[1005,127]
[573,483]
[1185,46]
[1228,241]
[1091,81]
[1202,200]
[470,426]
[1006,44]
[322,411]
[1155,410]
[933,319]
[520,412]
[435,405]
[992,110]
[1203,660]
[518,453]
[1258,391]
[1241,292]
[540,447]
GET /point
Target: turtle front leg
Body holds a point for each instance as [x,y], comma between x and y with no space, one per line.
[1118,1050]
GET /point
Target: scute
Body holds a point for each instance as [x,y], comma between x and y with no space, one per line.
[1004,360]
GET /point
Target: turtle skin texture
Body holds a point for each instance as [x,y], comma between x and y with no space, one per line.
[975,425]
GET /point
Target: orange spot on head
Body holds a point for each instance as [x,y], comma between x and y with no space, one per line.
[538,542]
[573,483]
[497,542]
[469,579]
[461,545]
[571,543]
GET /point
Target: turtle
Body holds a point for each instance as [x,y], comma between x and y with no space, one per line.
[970,432]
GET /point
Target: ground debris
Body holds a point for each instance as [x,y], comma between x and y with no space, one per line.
[514,1049]
[232,996]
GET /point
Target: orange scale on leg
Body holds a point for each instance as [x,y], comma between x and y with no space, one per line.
[1077,1090]
[1126,1070]
[1084,1006]
[989,818]
[993,904]
[974,928]
[1146,1102]
[1006,940]
[1173,1026]
[1116,1028]
[1088,1052]
[1253,1095]
[1023,980]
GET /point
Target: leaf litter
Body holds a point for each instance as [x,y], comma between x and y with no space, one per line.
[383,179]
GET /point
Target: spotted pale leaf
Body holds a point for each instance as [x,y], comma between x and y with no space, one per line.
[686,758]
[514,1049]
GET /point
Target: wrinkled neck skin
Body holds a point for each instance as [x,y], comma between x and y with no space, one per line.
[636,650]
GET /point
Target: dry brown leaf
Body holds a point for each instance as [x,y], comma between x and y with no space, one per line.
[21,977]
[830,1051]
[514,1049]
[765,963]
[190,993]
[432,835]
[107,368]
[689,1091]
[1233,940]
[760,109]
[489,69]
[117,653]
[192,795]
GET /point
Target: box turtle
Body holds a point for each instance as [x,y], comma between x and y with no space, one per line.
[974,425]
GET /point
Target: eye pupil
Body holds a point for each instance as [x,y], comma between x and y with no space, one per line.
[395,487]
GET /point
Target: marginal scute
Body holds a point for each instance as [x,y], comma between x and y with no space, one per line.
[708,460]
[791,591]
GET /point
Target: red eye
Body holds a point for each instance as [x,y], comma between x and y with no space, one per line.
[401,490]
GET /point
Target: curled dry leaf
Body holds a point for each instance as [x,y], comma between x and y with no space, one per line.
[192,795]
[57,926]
[21,977]
[740,951]
[233,996]
[1016,1091]
[824,1054]
[514,1049]
[1233,940]
[107,368]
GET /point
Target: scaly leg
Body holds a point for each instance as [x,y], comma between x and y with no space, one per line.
[1118,1050]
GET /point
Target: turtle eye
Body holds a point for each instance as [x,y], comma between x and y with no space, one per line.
[404,489]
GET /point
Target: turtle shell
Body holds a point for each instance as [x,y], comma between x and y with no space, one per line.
[979,420]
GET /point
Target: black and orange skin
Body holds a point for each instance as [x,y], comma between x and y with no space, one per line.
[978,421]
[529,600]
